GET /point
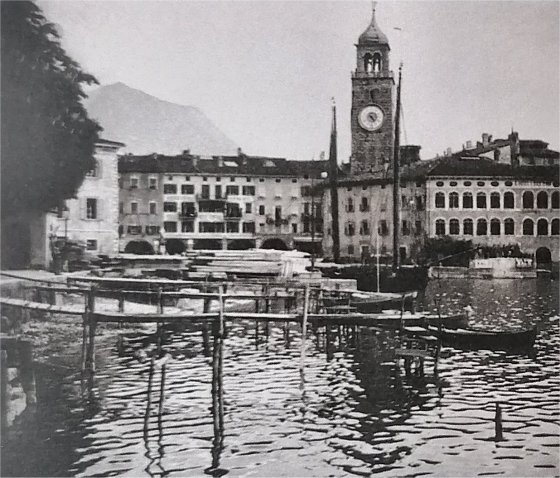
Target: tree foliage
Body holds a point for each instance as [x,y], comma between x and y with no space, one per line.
[48,140]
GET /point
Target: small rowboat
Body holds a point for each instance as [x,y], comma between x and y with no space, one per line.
[487,339]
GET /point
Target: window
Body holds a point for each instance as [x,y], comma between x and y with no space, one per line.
[211,227]
[278,214]
[278,180]
[509,200]
[555,200]
[418,228]
[91,208]
[121,208]
[509,227]
[205,191]
[481,201]
[467,200]
[364,228]
[495,227]
[542,200]
[481,227]
[528,227]
[383,228]
[218,179]
[249,227]
[467,183]
[454,227]
[232,179]
[134,230]
[187,226]
[468,227]
[248,179]
[364,205]
[495,183]
[528,200]
[153,208]
[93,173]
[262,210]
[152,183]
[555,229]
[350,205]
[542,227]
[170,226]
[439,184]
[232,190]
[232,227]
[453,183]
[218,191]
[133,183]
[187,178]
[480,184]
[205,178]
[306,191]
[187,188]
[294,228]
[169,189]
[170,178]
[188,209]
[495,200]
[169,207]
[133,207]
[91,244]
[349,229]
[350,249]
[440,227]
[248,208]
[453,201]
[248,190]
[419,203]
[405,228]
[152,230]
[440,200]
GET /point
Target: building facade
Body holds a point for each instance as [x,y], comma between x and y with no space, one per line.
[235,202]
[495,204]
[91,218]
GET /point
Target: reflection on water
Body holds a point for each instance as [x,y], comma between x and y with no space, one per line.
[254,403]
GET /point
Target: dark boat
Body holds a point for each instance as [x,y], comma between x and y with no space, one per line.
[489,339]
[368,302]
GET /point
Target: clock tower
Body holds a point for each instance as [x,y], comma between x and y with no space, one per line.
[372,103]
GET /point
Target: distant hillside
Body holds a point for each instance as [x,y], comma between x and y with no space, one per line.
[147,124]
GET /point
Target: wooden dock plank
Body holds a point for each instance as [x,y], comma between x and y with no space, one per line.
[55,309]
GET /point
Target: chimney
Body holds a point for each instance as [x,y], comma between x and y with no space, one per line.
[448,152]
[186,152]
[220,161]
[239,151]
[485,139]
[195,161]
[469,144]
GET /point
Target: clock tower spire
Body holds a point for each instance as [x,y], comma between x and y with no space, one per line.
[372,102]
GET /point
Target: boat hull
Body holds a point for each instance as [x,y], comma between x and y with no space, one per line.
[491,340]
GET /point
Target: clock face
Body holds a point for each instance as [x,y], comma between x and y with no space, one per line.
[371,118]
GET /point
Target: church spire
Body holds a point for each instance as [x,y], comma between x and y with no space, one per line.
[373,34]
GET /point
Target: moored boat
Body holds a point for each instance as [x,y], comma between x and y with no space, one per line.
[486,339]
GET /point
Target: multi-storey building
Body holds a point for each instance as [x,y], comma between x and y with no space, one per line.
[220,202]
[91,218]
[495,204]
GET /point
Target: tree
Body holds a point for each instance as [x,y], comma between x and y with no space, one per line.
[48,140]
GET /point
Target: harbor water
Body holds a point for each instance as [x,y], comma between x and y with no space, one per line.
[255,404]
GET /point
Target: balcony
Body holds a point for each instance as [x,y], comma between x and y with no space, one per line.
[233,215]
[188,214]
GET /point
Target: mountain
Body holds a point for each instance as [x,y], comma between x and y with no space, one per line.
[147,124]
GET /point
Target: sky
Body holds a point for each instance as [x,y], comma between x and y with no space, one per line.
[265,71]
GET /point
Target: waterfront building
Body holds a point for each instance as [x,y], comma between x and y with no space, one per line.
[218,202]
[90,219]
[493,192]
[496,204]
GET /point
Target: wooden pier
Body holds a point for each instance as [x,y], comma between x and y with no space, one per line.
[272,302]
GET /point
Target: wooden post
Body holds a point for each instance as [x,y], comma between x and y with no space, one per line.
[221,310]
[4,397]
[266,300]
[304,325]
[121,303]
[498,423]
[92,323]
[162,389]
[25,352]
[149,397]
[401,320]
